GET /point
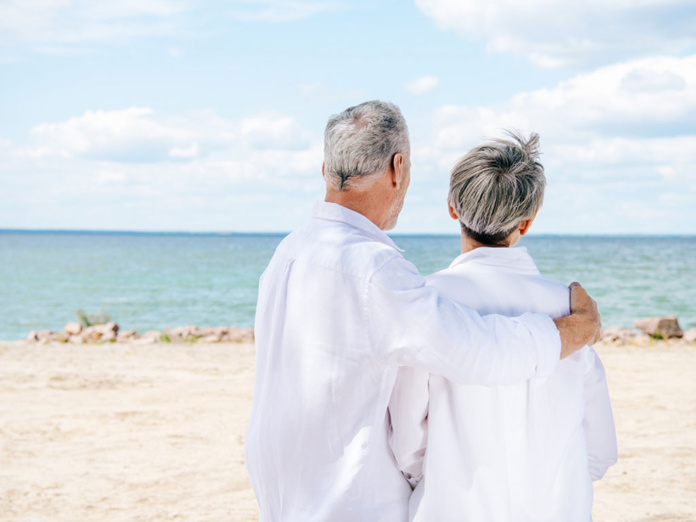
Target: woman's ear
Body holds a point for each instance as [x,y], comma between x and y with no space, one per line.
[524,226]
[452,213]
[527,223]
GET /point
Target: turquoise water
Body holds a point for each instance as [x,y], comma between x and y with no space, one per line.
[149,281]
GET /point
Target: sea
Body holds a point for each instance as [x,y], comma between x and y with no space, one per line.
[146,281]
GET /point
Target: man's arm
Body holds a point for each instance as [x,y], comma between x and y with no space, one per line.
[582,326]
[409,324]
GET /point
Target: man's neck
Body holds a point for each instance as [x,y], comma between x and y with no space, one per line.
[373,204]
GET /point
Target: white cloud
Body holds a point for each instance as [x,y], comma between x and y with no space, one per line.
[137,169]
[269,131]
[277,10]
[422,85]
[133,135]
[608,102]
[140,135]
[185,152]
[621,133]
[109,177]
[74,21]
[71,22]
[553,34]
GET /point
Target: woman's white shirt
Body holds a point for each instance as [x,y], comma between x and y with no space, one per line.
[524,452]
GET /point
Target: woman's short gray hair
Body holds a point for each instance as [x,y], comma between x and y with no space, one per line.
[362,141]
[496,186]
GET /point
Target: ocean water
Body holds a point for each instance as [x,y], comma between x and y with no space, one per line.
[149,281]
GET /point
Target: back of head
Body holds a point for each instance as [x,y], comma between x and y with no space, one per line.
[497,186]
[362,141]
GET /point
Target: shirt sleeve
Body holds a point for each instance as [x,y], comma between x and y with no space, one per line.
[408,412]
[598,421]
[409,324]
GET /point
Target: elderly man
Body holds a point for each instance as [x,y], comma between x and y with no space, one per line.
[339,311]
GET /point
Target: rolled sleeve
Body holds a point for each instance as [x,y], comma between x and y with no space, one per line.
[409,324]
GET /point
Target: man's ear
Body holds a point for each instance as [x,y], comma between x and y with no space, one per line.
[452,213]
[323,175]
[397,170]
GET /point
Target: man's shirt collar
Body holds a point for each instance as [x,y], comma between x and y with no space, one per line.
[336,212]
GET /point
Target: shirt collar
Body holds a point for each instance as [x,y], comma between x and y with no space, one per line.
[515,259]
[336,212]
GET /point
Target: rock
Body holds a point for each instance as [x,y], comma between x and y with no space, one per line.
[642,339]
[92,333]
[33,336]
[108,336]
[618,335]
[175,334]
[77,339]
[125,336]
[44,335]
[690,335]
[73,328]
[108,327]
[212,338]
[665,326]
[153,335]
[190,333]
[47,337]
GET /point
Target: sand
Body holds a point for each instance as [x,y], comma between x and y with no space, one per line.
[155,432]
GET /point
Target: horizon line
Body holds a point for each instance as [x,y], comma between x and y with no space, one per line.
[284,233]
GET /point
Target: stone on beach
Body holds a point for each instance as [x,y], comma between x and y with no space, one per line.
[616,334]
[665,326]
[149,337]
[92,333]
[126,335]
[73,328]
[690,335]
[110,332]
[45,336]
[108,327]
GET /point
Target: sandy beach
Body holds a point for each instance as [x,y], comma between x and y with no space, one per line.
[120,432]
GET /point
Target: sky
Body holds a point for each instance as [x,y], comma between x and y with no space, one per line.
[185,115]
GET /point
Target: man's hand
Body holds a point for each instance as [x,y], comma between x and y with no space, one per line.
[583,325]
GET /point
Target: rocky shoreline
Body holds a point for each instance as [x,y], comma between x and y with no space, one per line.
[646,331]
[111,333]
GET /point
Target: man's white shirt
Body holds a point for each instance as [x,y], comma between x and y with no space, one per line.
[522,452]
[339,311]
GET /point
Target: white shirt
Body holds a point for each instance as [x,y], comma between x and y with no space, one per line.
[339,310]
[522,452]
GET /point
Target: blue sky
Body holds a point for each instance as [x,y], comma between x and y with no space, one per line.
[208,116]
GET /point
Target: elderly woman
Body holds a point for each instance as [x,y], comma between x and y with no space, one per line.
[527,452]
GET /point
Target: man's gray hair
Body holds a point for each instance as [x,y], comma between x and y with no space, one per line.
[362,141]
[496,186]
